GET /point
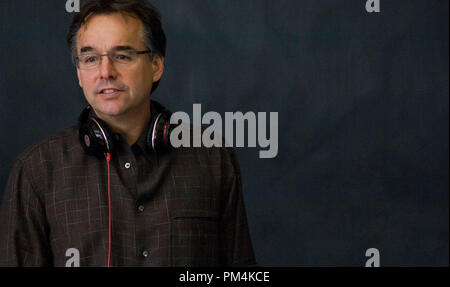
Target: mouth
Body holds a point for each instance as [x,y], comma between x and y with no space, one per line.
[109,92]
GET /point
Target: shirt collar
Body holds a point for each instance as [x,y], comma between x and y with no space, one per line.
[142,140]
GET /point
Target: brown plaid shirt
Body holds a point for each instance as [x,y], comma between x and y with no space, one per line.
[182,208]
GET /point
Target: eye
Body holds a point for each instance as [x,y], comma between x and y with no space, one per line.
[89,59]
[123,57]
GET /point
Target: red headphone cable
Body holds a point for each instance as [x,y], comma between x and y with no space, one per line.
[108,159]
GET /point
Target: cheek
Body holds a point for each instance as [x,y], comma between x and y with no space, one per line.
[82,77]
[86,82]
[140,80]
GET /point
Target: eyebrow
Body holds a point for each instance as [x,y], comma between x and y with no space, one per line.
[122,48]
[116,48]
[86,49]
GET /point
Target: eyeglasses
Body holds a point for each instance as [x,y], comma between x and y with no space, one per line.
[93,60]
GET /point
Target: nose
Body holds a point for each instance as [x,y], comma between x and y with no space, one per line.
[107,69]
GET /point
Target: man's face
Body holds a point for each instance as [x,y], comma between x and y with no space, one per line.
[131,83]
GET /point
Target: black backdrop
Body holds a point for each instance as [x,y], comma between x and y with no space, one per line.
[363,114]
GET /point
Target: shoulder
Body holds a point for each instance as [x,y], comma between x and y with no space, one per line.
[36,163]
[47,154]
[193,147]
[48,149]
[210,160]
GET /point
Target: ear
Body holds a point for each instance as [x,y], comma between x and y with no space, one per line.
[158,67]
[79,78]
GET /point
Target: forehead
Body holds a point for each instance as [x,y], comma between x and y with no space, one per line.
[105,31]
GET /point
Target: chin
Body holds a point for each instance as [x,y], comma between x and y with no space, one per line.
[110,109]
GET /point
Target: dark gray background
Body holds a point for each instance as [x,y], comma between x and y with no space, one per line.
[363,114]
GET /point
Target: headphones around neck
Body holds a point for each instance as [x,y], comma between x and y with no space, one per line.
[97,141]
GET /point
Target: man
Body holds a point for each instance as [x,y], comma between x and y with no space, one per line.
[108,192]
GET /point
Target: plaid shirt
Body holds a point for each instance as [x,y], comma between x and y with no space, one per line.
[182,208]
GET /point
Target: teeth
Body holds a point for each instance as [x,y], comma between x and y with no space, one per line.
[108,91]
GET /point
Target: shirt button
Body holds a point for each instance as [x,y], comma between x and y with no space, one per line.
[127,165]
[141,208]
[145,253]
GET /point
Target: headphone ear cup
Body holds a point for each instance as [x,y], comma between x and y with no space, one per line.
[158,134]
[93,135]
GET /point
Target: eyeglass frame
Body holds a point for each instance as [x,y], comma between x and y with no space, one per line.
[76,59]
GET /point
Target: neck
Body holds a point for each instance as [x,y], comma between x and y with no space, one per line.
[131,124]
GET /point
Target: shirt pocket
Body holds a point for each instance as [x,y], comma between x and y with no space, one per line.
[195,237]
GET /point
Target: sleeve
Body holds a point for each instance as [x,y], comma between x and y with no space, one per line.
[236,245]
[23,228]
